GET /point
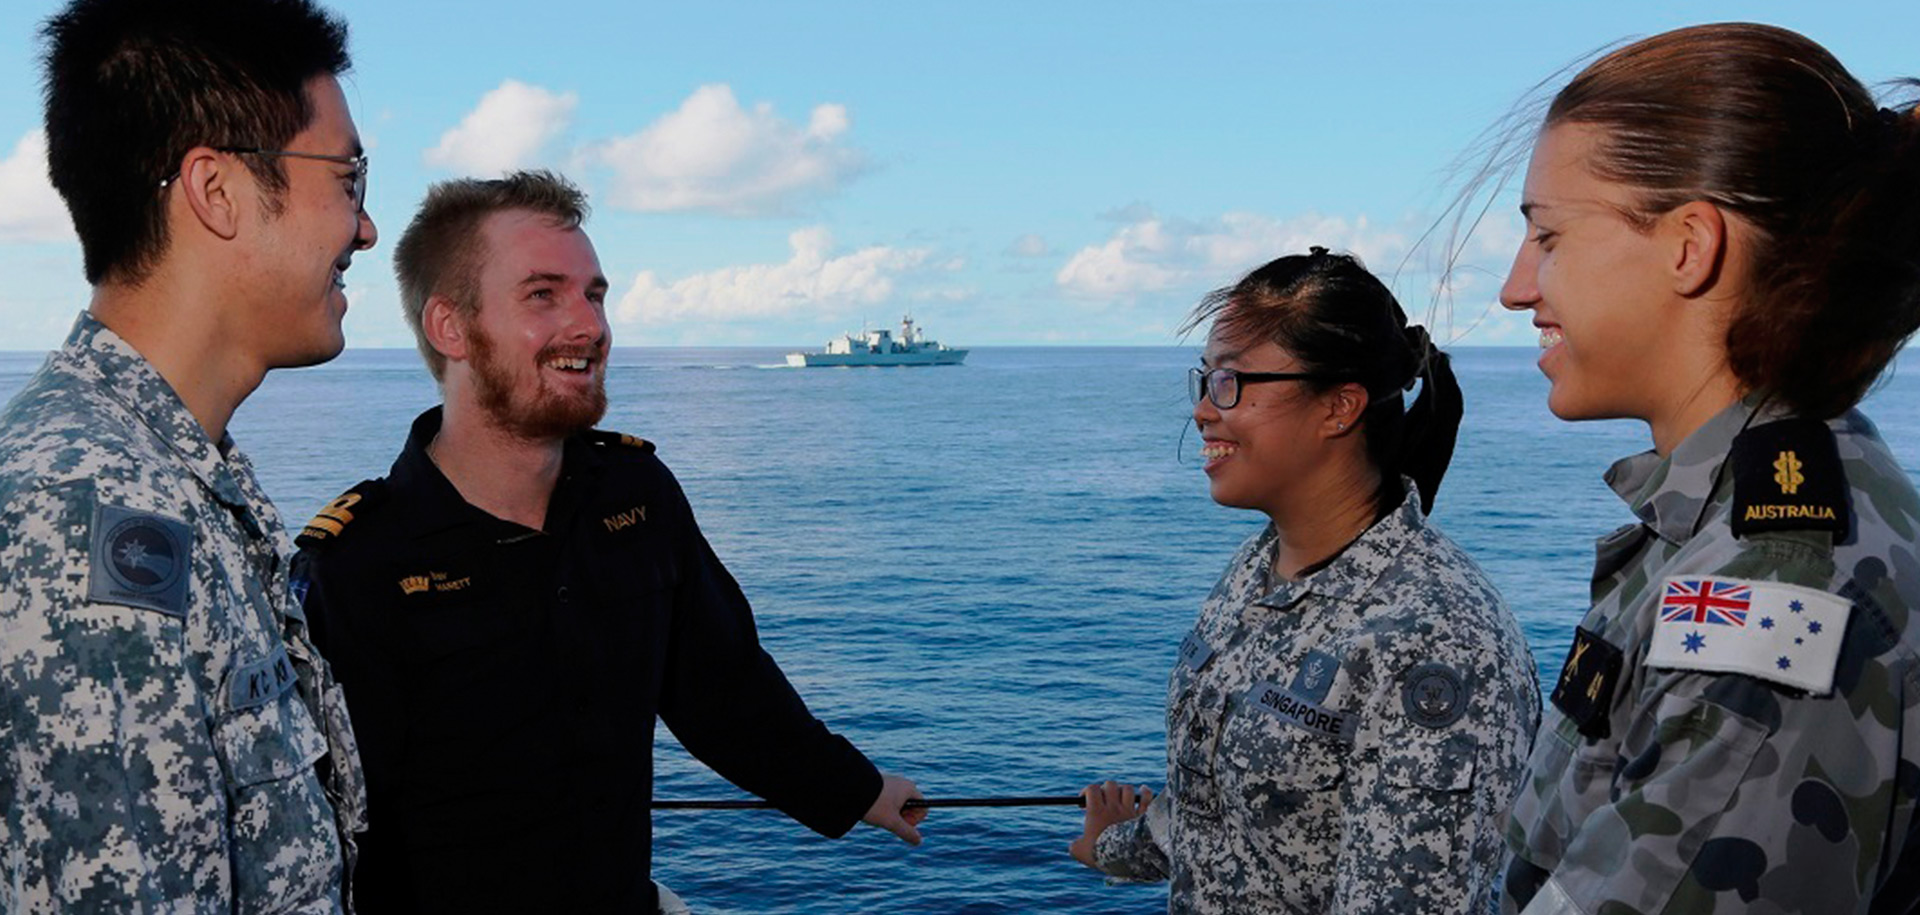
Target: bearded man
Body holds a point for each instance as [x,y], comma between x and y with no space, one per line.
[513,605]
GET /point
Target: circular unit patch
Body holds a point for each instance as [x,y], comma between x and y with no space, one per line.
[1435,695]
[143,556]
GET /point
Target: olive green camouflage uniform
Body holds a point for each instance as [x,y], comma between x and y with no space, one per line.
[161,708]
[1722,792]
[1348,742]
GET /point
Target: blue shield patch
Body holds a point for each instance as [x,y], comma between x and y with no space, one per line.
[1315,676]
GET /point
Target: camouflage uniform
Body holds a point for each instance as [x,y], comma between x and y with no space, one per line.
[1344,743]
[1721,791]
[161,708]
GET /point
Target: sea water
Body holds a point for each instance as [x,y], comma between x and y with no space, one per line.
[979,574]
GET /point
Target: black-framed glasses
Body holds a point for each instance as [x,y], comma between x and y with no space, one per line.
[1222,386]
[358,162]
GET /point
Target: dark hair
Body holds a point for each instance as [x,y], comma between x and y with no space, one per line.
[131,85]
[1765,123]
[1339,320]
[440,253]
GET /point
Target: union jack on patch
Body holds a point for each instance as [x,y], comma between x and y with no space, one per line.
[1703,600]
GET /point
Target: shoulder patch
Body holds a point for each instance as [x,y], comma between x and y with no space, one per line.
[1435,695]
[333,519]
[140,559]
[1787,476]
[1776,632]
[620,439]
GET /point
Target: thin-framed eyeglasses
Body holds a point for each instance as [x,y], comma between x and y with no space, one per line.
[358,162]
[1222,386]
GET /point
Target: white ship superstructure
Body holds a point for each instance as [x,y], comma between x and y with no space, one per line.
[881,347]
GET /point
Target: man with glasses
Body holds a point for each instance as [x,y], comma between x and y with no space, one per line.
[170,740]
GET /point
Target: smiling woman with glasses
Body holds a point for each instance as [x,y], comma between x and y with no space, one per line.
[1353,708]
[1222,386]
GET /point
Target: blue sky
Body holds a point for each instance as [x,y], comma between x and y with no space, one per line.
[1031,173]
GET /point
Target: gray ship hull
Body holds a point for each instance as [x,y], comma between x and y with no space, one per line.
[923,357]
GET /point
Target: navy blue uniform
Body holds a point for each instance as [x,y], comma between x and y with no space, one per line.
[504,682]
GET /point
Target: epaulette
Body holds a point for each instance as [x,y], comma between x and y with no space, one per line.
[334,518]
[609,439]
[1787,476]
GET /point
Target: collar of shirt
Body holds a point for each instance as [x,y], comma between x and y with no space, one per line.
[125,375]
[1349,576]
[1668,493]
[436,505]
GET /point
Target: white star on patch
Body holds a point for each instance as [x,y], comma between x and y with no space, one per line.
[1777,632]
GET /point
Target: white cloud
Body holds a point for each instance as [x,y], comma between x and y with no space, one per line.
[30,209]
[1029,245]
[507,130]
[1151,254]
[712,154]
[812,279]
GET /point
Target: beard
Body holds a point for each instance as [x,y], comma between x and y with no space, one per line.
[543,413]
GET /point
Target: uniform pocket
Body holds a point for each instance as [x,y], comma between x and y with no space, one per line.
[1280,773]
[284,845]
[1194,730]
[442,627]
[1430,765]
[268,742]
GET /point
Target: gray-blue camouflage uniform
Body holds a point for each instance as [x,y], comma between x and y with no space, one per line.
[1348,742]
[161,708]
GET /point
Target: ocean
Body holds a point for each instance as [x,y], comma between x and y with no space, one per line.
[978,574]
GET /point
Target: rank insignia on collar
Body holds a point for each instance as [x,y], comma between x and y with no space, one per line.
[1584,692]
[1787,476]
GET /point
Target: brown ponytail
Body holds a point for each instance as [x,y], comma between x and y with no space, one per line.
[1766,124]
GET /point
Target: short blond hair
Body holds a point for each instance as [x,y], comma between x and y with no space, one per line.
[440,253]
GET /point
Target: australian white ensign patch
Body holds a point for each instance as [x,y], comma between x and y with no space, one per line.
[1778,632]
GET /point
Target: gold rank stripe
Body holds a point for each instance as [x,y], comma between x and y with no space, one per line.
[333,518]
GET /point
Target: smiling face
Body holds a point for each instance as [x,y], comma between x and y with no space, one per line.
[1260,450]
[1602,291]
[298,293]
[537,346]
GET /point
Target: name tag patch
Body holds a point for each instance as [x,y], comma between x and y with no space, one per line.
[1584,692]
[262,681]
[1195,652]
[1777,632]
[434,583]
[139,559]
[1301,713]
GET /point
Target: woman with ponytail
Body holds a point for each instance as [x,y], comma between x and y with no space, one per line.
[1724,243]
[1350,715]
